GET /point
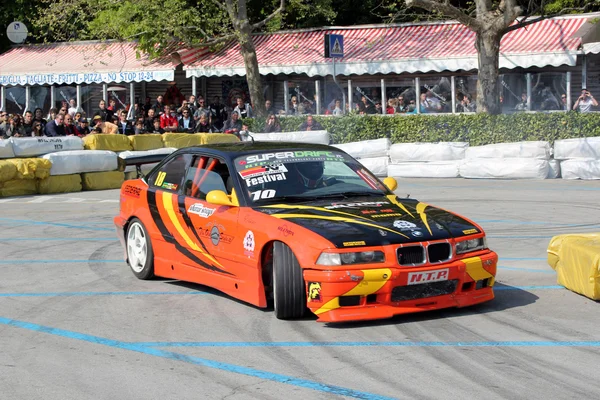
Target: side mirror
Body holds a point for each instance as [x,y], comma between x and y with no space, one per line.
[219,197]
[391,183]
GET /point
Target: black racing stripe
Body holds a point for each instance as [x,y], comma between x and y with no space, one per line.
[170,239]
[188,221]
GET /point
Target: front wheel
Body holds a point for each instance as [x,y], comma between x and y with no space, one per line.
[139,250]
[289,294]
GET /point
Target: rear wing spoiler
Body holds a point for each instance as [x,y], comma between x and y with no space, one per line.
[140,160]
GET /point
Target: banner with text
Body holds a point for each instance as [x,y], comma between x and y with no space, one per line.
[90,77]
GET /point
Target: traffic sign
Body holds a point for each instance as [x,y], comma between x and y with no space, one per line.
[16,32]
[334,46]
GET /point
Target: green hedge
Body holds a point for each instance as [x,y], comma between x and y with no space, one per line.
[477,129]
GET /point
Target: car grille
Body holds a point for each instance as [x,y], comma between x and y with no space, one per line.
[423,290]
[411,255]
[439,252]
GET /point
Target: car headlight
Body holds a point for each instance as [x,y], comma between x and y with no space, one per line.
[359,257]
[467,246]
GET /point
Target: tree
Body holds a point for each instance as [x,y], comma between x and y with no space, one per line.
[491,20]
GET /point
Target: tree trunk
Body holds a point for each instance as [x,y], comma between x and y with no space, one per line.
[252,72]
[488,85]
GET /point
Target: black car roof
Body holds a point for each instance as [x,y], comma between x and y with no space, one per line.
[234,150]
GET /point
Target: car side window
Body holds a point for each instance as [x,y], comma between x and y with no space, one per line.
[170,175]
[206,174]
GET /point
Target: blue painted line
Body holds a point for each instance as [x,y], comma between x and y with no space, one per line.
[57,239]
[541,271]
[376,344]
[31,222]
[280,378]
[76,294]
[57,261]
[533,287]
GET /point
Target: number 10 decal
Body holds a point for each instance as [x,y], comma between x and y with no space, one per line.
[263,194]
[160,178]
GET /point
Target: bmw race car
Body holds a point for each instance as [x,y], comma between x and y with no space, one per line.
[302,227]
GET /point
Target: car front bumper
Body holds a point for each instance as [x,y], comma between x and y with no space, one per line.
[377,293]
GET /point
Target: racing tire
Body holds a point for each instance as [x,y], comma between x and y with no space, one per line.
[140,256]
[289,293]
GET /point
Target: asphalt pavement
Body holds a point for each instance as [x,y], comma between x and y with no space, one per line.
[76,324]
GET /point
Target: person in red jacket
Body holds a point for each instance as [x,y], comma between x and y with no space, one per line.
[167,121]
[70,128]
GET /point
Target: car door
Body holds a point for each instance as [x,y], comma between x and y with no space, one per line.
[214,226]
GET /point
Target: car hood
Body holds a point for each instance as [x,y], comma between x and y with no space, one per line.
[372,221]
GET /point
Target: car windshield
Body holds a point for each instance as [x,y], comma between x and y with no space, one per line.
[302,175]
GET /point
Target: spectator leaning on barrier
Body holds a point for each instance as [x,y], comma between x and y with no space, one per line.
[105,127]
[37,129]
[585,102]
[310,125]
[56,126]
[233,124]
[156,128]
[186,122]
[244,134]
[203,126]
[139,126]
[167,121]
[125,127]
[70,128]
[83,129]
[272,124]
[14,127]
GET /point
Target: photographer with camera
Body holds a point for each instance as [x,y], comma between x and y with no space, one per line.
[585,102]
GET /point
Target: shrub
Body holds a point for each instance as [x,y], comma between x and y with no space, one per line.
[477,129]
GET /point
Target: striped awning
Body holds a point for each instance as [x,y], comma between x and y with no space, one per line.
[81,62]
[403,48]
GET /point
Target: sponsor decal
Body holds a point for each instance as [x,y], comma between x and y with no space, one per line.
[216,234]
[414,278]
[169,186]
[417,233]
[356,243]
[334,206]
[132,191]
[368,212]
[285,231]
[265,179]
[387,210]
[403,225]
[249,243]
[470,231]
[440,227]
[314,292]
[382,232]
[386,215]
[201,210]
[263,170]
[288,155]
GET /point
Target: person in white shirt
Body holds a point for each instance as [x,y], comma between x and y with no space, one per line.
[73,109]
[585,102]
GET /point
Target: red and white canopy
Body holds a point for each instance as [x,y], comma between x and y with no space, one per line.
[403,48]
[81,62]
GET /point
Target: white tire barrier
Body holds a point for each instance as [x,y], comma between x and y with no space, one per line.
[315,137]
[366,148]
[133,153]
[80,161]
[36,146]
[377,165]
[553,169]
[504,168]
[443,151]
[580,169]
[6,148]
[577,148]
[433,169]
[533,149]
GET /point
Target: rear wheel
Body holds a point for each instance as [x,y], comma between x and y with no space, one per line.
[289,294]
[139,250]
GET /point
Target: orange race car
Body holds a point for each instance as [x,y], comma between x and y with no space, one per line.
[303,226]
